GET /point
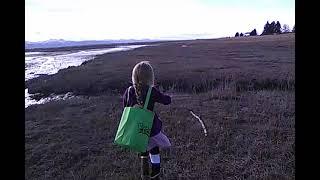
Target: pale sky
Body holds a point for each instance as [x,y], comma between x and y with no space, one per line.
[153,19]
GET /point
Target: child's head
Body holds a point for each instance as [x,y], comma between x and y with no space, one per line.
[142,74]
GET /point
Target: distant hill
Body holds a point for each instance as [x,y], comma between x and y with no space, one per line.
[57,43]
[54,43]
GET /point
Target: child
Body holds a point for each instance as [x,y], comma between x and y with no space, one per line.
[142,79]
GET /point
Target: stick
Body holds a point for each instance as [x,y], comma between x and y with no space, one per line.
[202,124]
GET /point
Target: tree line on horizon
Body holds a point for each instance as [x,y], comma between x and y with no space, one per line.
[270,28]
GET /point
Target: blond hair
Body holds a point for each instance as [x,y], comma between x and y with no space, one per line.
[142,75]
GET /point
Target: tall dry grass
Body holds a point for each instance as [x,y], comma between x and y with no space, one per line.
[243,91]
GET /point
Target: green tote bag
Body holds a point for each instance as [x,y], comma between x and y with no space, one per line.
[135,126]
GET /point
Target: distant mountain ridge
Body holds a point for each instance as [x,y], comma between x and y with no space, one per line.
[54,43]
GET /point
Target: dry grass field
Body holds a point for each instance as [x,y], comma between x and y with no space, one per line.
[242,88]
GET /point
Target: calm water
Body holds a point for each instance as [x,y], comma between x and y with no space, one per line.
[39,63]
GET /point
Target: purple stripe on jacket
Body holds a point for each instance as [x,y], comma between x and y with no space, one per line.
[156,96]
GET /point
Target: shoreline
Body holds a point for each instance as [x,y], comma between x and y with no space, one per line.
[94,46]
[94,77]
[37,98]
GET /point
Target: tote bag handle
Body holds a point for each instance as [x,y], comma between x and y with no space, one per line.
[147,98]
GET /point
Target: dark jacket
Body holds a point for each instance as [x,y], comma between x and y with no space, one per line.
[156,96]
